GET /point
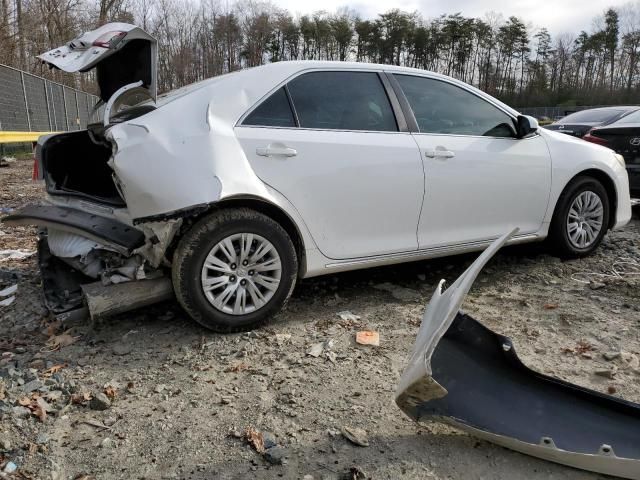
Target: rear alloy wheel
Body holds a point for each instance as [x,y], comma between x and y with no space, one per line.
[241,273]
[234,269]
[581,217]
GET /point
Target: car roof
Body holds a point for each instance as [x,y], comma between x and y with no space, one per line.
[235,93]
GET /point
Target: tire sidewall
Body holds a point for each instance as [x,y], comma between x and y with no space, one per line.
[201,239]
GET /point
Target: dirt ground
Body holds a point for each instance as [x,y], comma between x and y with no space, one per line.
[180,399]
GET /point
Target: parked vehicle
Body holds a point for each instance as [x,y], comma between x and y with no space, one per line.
[579,123]
[622,136]
[239,185]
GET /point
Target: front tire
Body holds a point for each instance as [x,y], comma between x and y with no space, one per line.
[234,269]
[581,218]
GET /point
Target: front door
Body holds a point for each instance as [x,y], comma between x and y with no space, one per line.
[481,181]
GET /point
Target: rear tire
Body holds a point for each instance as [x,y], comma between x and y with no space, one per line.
[234,269]
[581,218]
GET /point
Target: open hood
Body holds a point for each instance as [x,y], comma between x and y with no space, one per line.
[121,53]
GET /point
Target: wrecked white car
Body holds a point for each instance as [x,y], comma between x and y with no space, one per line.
[228,190]
[463,374]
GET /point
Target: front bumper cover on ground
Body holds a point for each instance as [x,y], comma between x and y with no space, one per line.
[463,374]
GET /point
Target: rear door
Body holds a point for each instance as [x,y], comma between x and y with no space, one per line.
[481,181]
[341,160]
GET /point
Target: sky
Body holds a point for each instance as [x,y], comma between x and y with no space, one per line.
[559,16]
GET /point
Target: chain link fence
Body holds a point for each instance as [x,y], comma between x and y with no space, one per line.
[29,103]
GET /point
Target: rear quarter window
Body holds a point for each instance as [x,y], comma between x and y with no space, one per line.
[275,111]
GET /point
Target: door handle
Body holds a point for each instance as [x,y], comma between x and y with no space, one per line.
[439,153]
[276,151]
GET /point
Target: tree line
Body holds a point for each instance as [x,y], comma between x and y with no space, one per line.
[506,57]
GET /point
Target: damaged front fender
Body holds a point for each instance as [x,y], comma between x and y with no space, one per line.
[463,374]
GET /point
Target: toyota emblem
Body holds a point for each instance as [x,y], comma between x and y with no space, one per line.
[635,141]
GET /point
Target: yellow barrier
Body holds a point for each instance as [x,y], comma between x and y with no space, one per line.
[21,137]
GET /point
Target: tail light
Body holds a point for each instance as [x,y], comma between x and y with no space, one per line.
[109,39]
[590,137]
[36,171]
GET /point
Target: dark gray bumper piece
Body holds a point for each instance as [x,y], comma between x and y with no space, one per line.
[100,229]
[463,374]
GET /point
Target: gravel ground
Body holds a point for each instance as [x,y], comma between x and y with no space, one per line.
[150,394]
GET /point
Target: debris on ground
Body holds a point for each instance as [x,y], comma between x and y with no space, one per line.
[348,316]
[368,337]
[6,255]
[254,438]
[356,435]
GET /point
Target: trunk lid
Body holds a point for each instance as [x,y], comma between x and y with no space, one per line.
[121,53]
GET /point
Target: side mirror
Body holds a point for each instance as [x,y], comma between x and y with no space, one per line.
[526,125]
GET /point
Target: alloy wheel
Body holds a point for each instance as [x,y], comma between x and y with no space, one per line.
[241,273]
[584,220]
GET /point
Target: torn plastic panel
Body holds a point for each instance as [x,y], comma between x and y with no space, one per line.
[465,375]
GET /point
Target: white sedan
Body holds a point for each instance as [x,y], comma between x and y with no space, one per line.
[238,185]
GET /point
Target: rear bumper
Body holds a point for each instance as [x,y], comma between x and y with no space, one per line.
[119,236]
[77,247]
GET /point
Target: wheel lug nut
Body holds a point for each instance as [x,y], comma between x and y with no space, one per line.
[250,272]
[244,263]
[233,266]
[243,282]
[233,278]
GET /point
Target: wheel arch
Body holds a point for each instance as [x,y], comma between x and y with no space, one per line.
[272,211]
[608,184]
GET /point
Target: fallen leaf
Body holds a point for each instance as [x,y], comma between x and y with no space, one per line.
[80,398]
[39,410]
[111,392]
[255,439]
[52,328]
[238,367]
[60,341]
[550,306]
[55,369]
[24,401]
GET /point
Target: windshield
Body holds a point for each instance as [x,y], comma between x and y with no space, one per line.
[596,115]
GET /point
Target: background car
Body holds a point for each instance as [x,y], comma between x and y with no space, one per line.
[237,186]
[579,123]
[622,136]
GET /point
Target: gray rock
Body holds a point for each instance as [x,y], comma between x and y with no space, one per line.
[42,439]
[356,436]
[596,285]
[32,386]
[609,356]
[121,349]
[275,455]
[21,412]
[99,402]
[269,440]
[5,444]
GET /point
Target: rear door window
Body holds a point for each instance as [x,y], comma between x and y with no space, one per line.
[275,111]
[342,101]
[440,107]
